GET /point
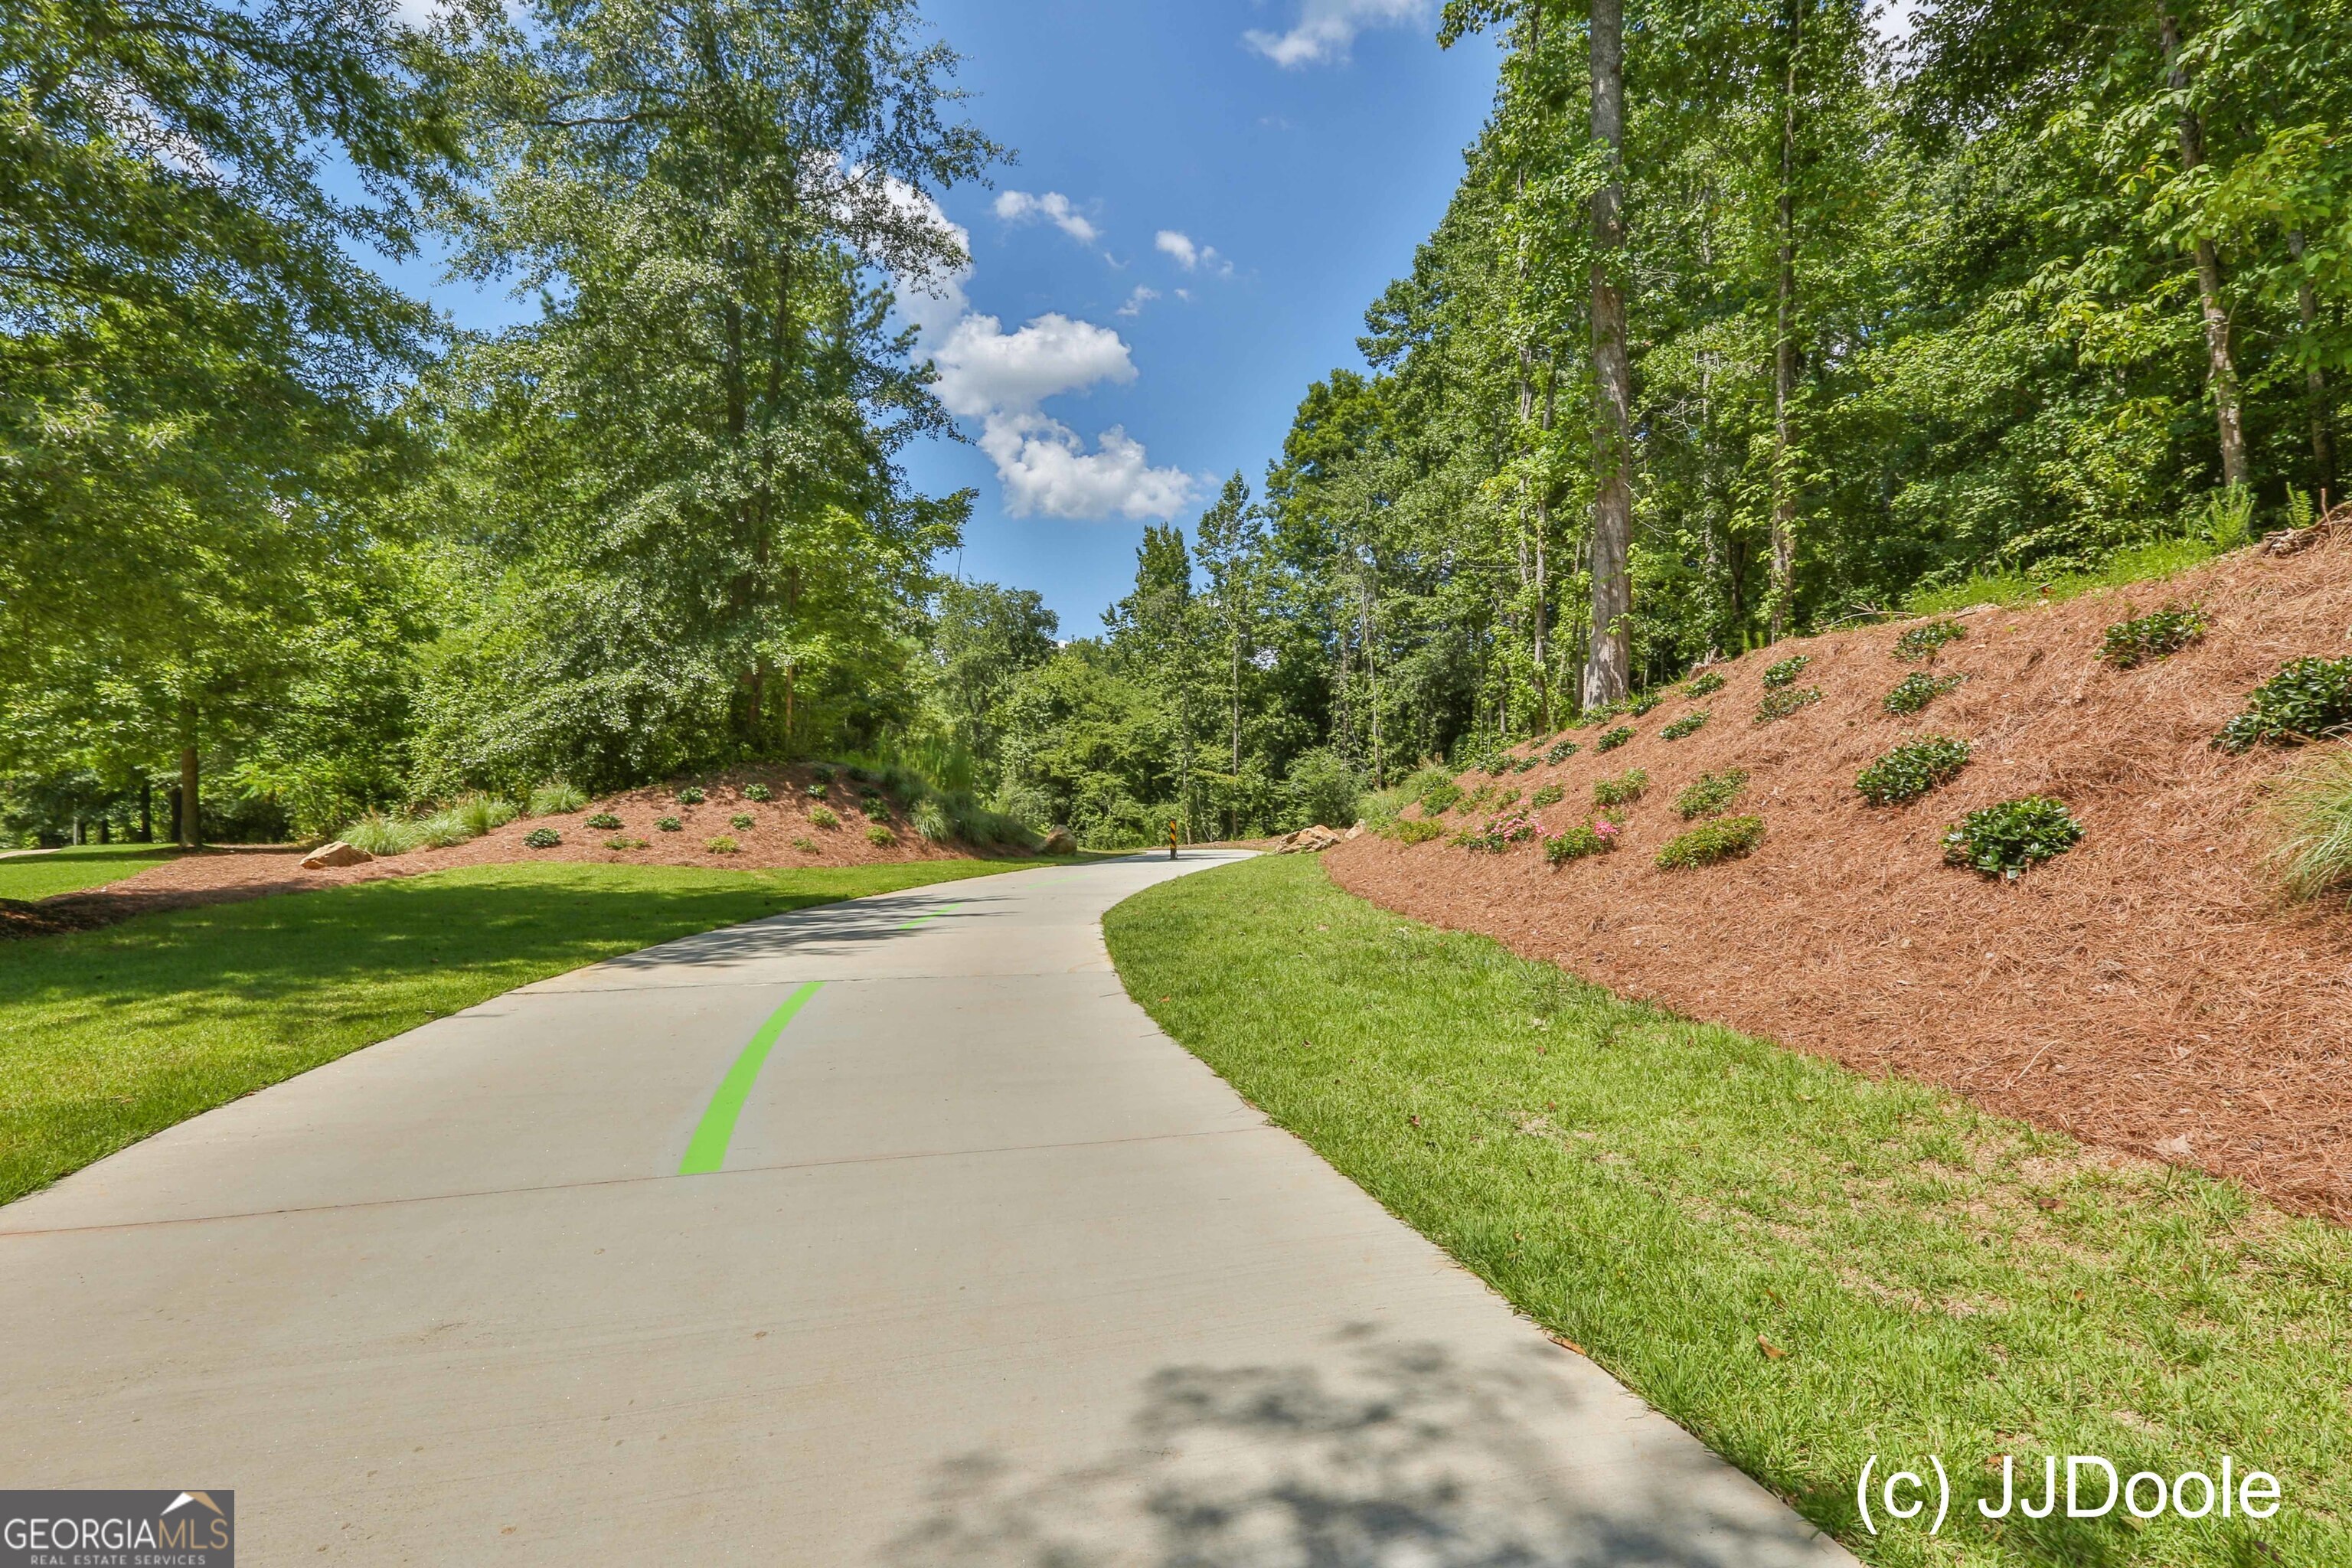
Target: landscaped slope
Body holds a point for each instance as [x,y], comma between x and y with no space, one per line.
[2150,989]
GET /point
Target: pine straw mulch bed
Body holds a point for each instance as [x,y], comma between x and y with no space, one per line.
[230,874]
[2149,991]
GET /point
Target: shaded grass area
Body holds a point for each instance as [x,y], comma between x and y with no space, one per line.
[2147,563]
[73,870]
[1801,1266]
[108,1036]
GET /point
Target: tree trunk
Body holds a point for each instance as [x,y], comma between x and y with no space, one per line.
[2222,371]
[146,811]
[2315,380]
[1784,351]
[1609,658]
[190,813]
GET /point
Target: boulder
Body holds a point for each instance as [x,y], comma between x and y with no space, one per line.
[1307,841]
[1058,842]
[1357,831]
[336,854]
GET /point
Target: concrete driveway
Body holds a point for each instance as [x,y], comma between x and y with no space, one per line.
[968,1264]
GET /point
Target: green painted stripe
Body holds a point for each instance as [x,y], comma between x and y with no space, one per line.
[707,1150]
[935,914]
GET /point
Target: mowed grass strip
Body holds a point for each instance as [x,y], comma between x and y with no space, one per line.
[1801,1266]
[74,869]
[108,1036]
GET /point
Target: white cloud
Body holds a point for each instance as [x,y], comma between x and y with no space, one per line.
[1192,256]
[934,304]
[1046,468]
[1138,300]
[1327,27]
[1020,207]
[984,369]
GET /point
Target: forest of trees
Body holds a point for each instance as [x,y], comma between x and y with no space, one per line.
[1742,321]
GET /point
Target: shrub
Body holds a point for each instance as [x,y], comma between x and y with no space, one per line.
[722,845]
[1688,724]
[690,795]
[625,844]
[878,833]
[481,813]
[806,844]
[2308,699]
[1496,766]
[1560,750]
[757,791]
[542,838]
[1725,838]
[1912,769]
[1614,739]
[381,834]
[1550,795]
[2004,840]
[2314,811]
[2229,517]
[1584,839]
[1623,790]
[1499,833]
[818,789]
[668,824]
[1917,690]
[1508,797]
[1411,830]
[1440,798]
[1482,798]
[1781,704]
[557,797]
[741,821]
[1706,683]
[1785,673]
[2158,635]
[1712,796]
[1917,644]
[604,821]
[823,816]
[1321,786]
[1525,764]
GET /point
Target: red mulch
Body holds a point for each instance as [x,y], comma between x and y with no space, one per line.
[230,874]
[2150,991]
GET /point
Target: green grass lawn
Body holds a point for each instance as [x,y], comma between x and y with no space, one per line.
[82,866]
[108,1036]
[1675,1198]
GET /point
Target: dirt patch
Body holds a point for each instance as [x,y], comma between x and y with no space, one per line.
[780,829]
[2147,988]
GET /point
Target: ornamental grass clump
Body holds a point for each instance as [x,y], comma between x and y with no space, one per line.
[1781,704]
[1917,644]
[481,814]
[1614,739]
[1912,769]
[1623,790]
[1711,795]
[1582,839]
[542,838]
[930,820]
[380,835]
[2308,699]
[1917,690]
[2153,637]
[557,797]
[2313,810]
[1785,673]
[2005,840]
[1725,838]
[1706,683]
[1688,724]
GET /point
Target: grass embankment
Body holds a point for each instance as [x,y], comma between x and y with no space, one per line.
[107,1037]
[1803,1267]
[29,876]
[2143,563]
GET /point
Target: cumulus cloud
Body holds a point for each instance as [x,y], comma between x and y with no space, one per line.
[1140,297]
[984,369]
[1191,256]
[1326,28]
[1053,207]
[1046,468]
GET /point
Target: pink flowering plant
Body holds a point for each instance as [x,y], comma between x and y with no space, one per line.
[1584,839]
[1499,833]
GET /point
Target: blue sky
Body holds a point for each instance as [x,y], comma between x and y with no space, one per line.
[1208,194]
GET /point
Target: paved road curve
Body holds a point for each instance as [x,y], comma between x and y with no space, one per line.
[971,1266]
